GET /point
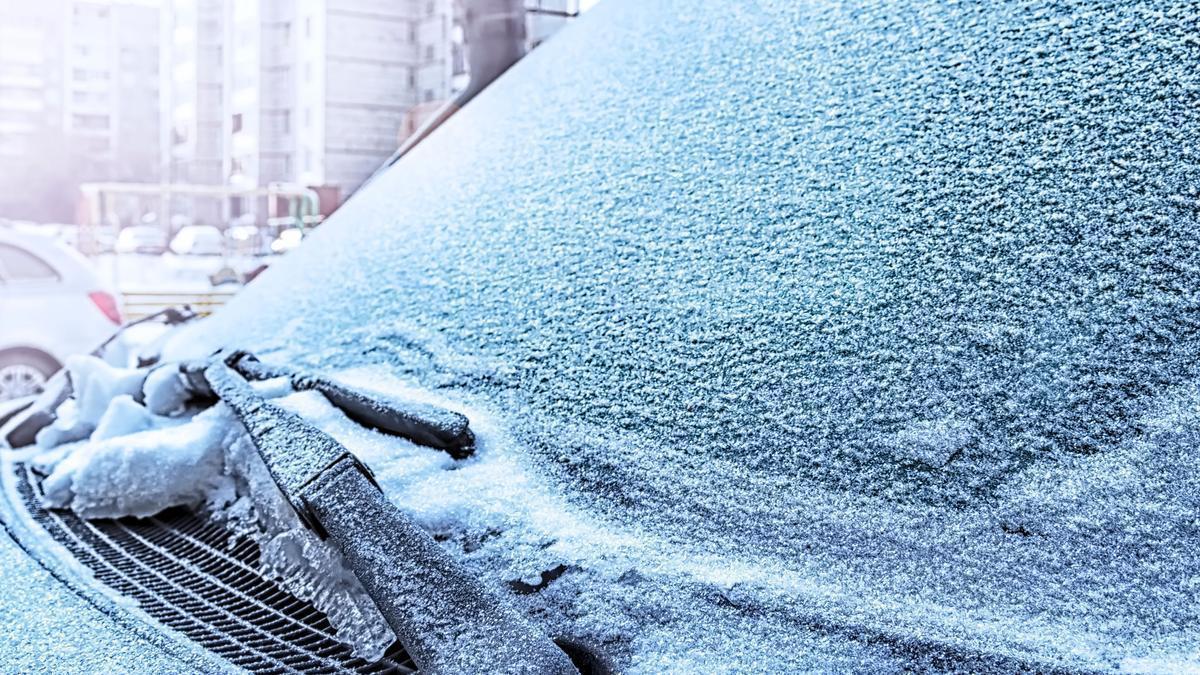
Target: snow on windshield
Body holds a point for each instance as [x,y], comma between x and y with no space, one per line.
[851,314]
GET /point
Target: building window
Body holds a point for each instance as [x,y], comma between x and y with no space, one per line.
[429,95]
[412,78]
[89,97]
[429,52]
[285,121]
[20,265]
[20,116]
[412,33]
[308,26]
[85,75]
[237,122]
[458,59]
[90,122]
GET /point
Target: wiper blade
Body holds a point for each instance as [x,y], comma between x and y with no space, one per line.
[22,429]
[11,409]
[170,316]
[421,423]
[448,621]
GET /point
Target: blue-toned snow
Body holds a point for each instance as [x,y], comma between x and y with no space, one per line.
[46,628]
[845,327]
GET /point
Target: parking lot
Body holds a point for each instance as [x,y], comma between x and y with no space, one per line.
[147,283]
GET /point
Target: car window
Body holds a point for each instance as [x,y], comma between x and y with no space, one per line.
[17,264]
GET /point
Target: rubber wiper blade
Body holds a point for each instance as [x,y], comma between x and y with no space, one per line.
[22,429]
[421,423]
[11,409]
[447,620]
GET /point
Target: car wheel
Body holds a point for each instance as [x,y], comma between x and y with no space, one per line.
[24,374]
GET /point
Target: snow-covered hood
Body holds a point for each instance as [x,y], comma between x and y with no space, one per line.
[803,333]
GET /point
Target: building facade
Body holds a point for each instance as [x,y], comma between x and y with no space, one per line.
[194,67]
[30,105]
[79,100]
[111,98]
[311,92]
[544,18]
[239,93]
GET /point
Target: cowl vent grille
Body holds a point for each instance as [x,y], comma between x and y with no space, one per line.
[185,572]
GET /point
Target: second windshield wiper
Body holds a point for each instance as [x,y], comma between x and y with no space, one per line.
[424,424]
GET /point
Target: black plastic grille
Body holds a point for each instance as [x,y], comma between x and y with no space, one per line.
[190,574]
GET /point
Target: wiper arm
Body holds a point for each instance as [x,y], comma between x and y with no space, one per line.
[448,621]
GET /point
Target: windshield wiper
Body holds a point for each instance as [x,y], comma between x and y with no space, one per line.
[424,424]
[448,621]
[421,423]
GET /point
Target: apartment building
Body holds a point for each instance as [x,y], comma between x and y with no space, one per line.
[79,100]
[243,93]
[111,81]
[194,74]
[30,103]
[318,90]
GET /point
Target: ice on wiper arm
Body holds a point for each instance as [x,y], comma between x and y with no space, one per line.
[20,428]
[448,620]
[143,459]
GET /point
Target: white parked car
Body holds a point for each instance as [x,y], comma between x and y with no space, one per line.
[142,239]
[247,240]
[52,305]
[198,240]
[287,240]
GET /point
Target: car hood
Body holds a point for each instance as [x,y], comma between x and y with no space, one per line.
[886,316]
[49,626]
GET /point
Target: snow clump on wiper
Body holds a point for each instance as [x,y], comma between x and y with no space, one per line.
[130,443]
